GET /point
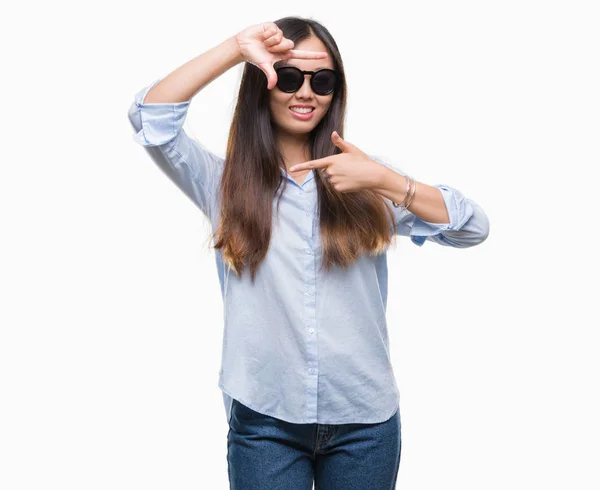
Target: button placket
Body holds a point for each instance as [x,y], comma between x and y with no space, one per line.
[312,370]
[306,230]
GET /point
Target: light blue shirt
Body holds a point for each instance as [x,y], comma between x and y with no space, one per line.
[302,345]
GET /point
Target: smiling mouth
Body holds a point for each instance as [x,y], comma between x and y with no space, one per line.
[302,116]
[302,110]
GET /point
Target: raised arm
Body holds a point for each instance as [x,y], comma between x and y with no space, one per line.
[158,112]
[187,80]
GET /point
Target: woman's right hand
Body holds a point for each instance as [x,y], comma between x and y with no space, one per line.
[263,45]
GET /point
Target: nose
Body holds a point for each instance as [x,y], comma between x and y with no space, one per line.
[306,90]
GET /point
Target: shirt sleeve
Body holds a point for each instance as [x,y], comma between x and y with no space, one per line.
[191,167]
[468,226]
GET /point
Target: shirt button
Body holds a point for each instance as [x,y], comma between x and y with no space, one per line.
[308,215]
[308,251]
[312,371]
[309,293]
[311,330]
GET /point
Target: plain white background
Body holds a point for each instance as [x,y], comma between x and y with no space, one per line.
[111,313]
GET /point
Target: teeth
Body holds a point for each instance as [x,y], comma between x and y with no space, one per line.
[302,110]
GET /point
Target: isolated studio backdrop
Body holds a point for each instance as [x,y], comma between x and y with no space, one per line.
[111,321]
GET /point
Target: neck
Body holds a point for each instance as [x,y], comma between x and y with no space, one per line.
[295,148]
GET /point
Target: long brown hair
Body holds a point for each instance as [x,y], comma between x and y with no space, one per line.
[351,223]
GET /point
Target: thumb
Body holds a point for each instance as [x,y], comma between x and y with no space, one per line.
[339,142]
[268,70]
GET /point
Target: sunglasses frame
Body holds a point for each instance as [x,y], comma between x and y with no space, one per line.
[307,72]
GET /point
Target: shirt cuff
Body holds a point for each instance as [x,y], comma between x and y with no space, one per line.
[459,211]
[160,122]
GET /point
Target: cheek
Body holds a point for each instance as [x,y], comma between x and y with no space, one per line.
[326,104]
[277,106]
[325,109]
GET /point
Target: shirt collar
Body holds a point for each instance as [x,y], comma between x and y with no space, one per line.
[308,178]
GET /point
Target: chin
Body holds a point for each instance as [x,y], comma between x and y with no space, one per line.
[296,128]
[303,130]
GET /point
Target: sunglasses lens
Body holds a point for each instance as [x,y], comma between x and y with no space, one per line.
[289,79]
[323,82]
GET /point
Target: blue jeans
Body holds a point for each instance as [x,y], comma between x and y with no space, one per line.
[266,453]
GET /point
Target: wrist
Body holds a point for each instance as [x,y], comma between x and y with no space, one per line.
[235,50]
[392,185]
[387,180]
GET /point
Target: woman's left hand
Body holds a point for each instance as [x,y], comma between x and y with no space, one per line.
[350,170]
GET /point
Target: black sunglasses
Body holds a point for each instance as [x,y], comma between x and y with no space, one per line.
[290,79]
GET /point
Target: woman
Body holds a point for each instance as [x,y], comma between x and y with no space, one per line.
[306,376]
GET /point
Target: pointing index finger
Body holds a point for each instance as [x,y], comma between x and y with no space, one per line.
[308,55]
[319,163]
